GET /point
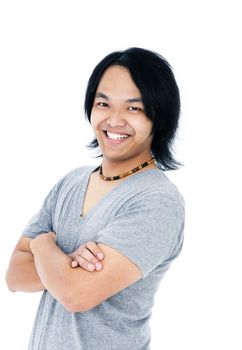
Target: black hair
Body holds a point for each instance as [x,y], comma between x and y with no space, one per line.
[154,77]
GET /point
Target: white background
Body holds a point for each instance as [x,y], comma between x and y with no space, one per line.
[48,50]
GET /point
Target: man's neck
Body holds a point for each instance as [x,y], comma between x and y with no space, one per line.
[118,168]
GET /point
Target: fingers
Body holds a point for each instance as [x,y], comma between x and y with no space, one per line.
[93,247]
[74,263]
[87,257]
[89,264]
[80,261]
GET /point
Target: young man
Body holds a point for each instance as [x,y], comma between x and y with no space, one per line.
[126,208]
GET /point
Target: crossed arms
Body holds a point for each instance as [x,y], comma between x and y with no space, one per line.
[39,264]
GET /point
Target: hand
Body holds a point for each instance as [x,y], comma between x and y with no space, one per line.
[50,236]
[88,256]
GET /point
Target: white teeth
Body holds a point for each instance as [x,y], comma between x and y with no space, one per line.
[117,136]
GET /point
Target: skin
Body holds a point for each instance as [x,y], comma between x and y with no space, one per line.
[113,111]
[39,264]
[22,275]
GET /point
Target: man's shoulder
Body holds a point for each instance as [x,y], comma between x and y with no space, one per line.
[156,184]
[79,170]
[73,176]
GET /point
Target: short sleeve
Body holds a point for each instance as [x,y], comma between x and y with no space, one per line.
[149,231]
[42,221]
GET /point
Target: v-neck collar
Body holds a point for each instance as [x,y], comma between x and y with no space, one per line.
[85,186]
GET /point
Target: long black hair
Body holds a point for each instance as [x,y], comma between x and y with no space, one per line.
[153,76]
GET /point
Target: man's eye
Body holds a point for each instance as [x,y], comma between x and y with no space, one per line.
[132,108]
[102,104]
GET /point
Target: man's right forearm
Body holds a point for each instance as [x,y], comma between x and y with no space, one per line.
[22,275]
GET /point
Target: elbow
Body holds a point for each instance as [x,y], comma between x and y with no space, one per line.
[75,303]
[10,283]
[72,306]
[11,288]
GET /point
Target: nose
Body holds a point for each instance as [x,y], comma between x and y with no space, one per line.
[116,119]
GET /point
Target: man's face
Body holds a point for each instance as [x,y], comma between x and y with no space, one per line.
[118,108]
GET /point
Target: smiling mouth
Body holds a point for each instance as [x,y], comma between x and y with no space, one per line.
[114,138]
[116,135]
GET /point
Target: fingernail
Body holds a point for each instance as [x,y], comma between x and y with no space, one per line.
[90,267]
[98,266]
[100,255]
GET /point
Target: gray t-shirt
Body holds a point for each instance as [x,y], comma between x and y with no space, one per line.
[143,218]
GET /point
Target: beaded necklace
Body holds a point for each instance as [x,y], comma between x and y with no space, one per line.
[117,177]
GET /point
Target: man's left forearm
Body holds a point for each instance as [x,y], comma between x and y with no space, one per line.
[53,266]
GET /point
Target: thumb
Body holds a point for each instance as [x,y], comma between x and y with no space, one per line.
[74,263]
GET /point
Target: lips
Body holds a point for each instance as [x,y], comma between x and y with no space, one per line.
[117,132]
[115,138]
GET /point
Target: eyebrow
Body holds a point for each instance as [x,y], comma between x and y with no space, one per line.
[136,99]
